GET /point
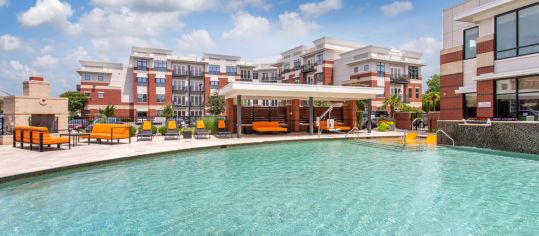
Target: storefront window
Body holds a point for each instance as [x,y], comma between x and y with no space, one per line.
[518,98]
[470,105]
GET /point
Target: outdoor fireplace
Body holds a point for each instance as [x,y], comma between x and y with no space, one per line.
[44,120]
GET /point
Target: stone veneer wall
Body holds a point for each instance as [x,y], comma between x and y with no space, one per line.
[514,136]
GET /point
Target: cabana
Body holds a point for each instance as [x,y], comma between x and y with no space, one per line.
[283,91]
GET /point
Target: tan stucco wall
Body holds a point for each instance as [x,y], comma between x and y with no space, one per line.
[22,107]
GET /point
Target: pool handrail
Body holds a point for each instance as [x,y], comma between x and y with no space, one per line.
[447,135]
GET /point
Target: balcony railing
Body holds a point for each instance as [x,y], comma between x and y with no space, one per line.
[179,89]
[160,69]
[246,79]
[185,74]
[399,79]
[307,68]
[268,80]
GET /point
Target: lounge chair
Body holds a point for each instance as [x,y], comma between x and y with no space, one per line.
[324,126]
[200,130]
[411,138]
[146,131]
[172,130]
[221,129]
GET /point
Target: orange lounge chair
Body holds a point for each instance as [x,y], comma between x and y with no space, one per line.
[200,130]
[221,129]
[37,135]
[324,126]
[146,131]
[172,130]
[110,132]
[268,127]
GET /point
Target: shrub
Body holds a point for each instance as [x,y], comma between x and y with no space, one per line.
[133,131]
[384,125]
[162,130]
[210,122]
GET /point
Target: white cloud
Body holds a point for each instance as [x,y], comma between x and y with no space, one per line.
[46,49]
[430,47]
[159,5]
[51,12]
[15,70]
[314,9]
[238,5]
[197,40]
[10,43]
[247,25]
[4,3]
[396,8]
[292,24]
[45,62]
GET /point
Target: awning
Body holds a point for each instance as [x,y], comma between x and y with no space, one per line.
[284,91]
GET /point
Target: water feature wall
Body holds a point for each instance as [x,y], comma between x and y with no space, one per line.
[514,136]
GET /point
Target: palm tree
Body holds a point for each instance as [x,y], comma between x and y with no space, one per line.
[393,102]
[432,96]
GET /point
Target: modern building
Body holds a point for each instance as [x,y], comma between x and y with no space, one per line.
[155,78]
[489,62]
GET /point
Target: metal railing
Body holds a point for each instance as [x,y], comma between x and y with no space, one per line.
[447,135]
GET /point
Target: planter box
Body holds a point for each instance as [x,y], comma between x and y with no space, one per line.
[187,134]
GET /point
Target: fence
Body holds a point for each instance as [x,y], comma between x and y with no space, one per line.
[85,123]
[252,114]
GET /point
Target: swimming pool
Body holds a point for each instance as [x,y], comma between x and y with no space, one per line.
[297,188]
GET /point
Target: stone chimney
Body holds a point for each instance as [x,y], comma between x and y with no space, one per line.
[36,87]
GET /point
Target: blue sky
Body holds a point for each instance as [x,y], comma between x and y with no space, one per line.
[48,37]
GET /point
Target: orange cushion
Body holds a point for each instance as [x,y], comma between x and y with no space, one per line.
[257,124]
[270,129]
[221,124]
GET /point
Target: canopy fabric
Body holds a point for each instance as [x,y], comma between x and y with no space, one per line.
[284,91]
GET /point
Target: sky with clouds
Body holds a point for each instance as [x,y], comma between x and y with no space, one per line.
[49,37]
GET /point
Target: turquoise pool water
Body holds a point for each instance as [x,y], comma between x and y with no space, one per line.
[302,188]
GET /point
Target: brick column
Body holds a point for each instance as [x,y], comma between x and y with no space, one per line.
[230,115]
[485,93]
[350,110]
[292,115]
[451,78]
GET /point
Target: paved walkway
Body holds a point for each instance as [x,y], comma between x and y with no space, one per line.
[17,163]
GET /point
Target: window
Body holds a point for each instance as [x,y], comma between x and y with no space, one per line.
[100,78]
[517,33]
[100,95]
[214,84]
[159,98]
[142,81]
[87,77]
[159,82]
[231,70]
[319,58]
[214,69]
[142,97]
[413,72]
[286,66]
[470,42]
[470,105]
[245,74]
[356,69]
[380,69]
[160,65]
[410,93]
[142,64]
[297,64]
[417,93]
[87,95]
[366,68]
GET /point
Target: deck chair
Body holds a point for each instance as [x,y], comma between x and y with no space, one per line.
[200,130]
[146,131]
[221,130]
[172,130]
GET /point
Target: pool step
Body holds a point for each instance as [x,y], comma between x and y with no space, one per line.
[390,146]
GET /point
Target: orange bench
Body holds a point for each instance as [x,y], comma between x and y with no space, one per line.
[37,135]
[268,127]
[110,132]
[324,126]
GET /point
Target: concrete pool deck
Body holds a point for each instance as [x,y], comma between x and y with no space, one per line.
[16,163]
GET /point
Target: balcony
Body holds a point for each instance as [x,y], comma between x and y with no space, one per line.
[179,89]
[307,68]
[160,69]
[399,79]
[268,80]
[246,79]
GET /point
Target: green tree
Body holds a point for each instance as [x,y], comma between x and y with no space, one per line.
[362,104]
[433,84]
[393,102]
[431,100]
[217,104]
[108,111]
[75,102]
[321,104]
[168,111]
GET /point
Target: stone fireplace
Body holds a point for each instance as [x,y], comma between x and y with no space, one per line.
[36,107]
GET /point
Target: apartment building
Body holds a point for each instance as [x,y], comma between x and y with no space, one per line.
[190,85]
[489,60]
[398,72]
[314,65]
[106,83]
